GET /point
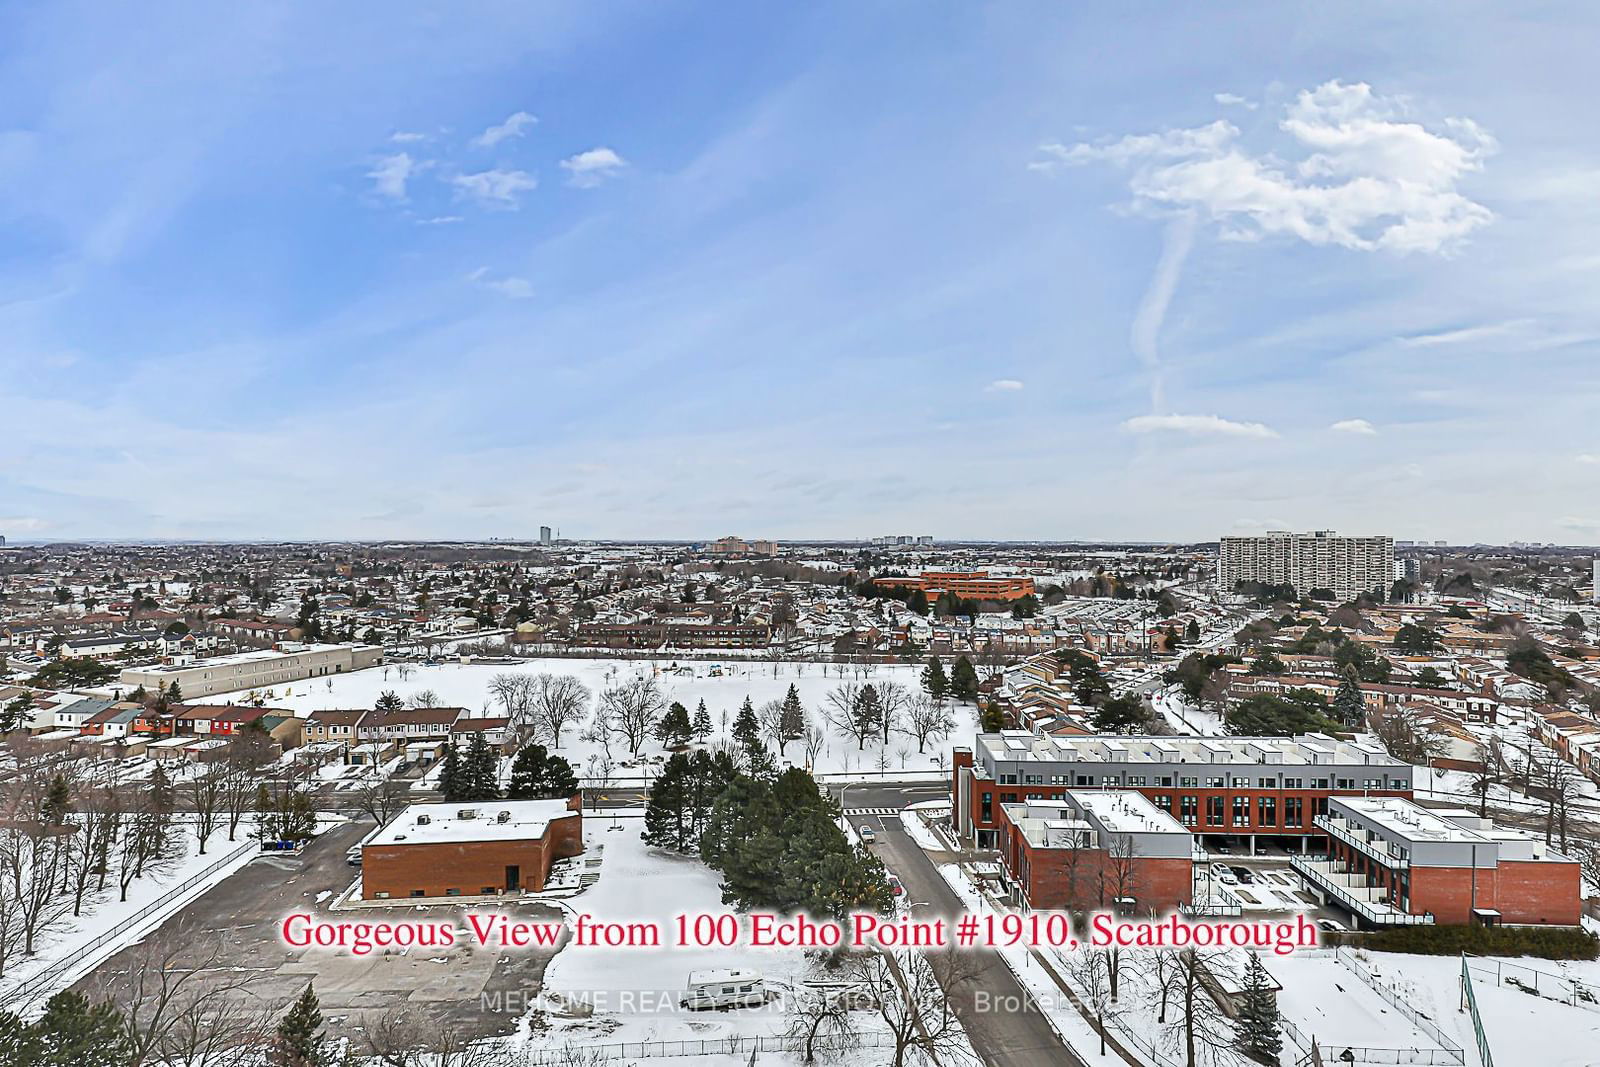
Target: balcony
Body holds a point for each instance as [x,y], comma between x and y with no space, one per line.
[1362,840]
[1351,891]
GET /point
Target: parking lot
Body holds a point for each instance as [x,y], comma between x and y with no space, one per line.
[233,931]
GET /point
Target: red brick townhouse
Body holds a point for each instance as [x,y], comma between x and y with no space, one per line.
[1095,848]
[1393,863]
[1215,787]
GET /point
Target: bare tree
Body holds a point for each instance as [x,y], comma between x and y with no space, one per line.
[893,699]
[514,691]
[381,799]
[1202,1033]
[1090,971]
[769,719]
[815,738]
[633,708]
[180,1005]
[926,719]
[204,792]
[839,707]
[1405,735]
[1493,772]
[423,698]
[822,1020]
[559,700]
[912,992]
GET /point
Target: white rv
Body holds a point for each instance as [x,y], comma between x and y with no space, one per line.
[723,989]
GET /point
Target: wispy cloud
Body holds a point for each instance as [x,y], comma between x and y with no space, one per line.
[407,137]
[1591,459]
[1369,178]
[495,188]
[1234,100]
[1465,334]
[1146,333]
[1356,426]
[588,169]
[511,127]
[391,173]
[509,286]
[440,220]
[1197,425]
[1004,385]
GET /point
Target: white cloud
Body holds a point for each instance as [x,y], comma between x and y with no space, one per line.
[390,174]
[510,286]
[1465,334]
[1197,425]
[1358,426]
[1234,100]
[1368,178]
[21,524]
[407,137]
[1003,385]
[495,188]
[588,169]
[440,220]
[1589,458]
[511,127]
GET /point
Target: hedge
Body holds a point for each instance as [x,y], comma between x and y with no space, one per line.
[1545,942]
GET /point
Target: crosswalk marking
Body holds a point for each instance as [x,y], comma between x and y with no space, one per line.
[853,812]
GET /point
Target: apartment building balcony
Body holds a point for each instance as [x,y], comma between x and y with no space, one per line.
[1351,891]
[1362,840]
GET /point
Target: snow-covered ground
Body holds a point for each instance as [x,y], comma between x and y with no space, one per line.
[723,688]
[109,924]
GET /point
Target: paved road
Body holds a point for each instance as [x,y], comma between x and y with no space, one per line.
[1020,1038]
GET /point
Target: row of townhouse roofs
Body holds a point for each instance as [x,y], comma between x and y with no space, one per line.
[61,717]
[1120,821]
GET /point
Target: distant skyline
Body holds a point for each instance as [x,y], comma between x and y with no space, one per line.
[675,270]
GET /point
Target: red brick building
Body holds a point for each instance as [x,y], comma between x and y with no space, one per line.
[1096,849]
[1215,787]
[968,585]
[1392,863]
[484,849]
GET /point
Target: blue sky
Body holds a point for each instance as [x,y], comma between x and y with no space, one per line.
[825,270]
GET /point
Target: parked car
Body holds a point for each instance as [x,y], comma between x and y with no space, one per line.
[1244,875]
[868,835]
[352,855]
[1227,878]
[1332,926]
[895,887]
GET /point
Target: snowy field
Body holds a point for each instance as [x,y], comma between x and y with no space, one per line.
[723,688]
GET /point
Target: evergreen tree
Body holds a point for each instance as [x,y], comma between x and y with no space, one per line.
[481,770]
[299,1040]
[702,723]
[1191,633]
[452,777]
[934,679]
[388,701]
[746,730]
[1119,714]
[963,680]
[792,716]
[536,774]
[72,1032]
[1347,702]
[674,728]
[174,693]
[1257,1024]
[918,602]
[866,714]
[991,719]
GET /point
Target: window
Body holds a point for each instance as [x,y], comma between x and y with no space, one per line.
[1216,782]
[1008,798]
[1292,812]
[1137,780]
[1292,783]
[1267,811]
[1162,801]
[986,808]
[1166,781]
[1083,779]
[1346,783]
[1214,811]
[1032,779]
[1188,783]
[1191,809]
[1241,811]
[1241,782]
[1267,783]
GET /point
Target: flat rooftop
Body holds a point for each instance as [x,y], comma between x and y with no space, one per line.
[1308,750]
[1401,819]
[494,820]
[1124,811]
